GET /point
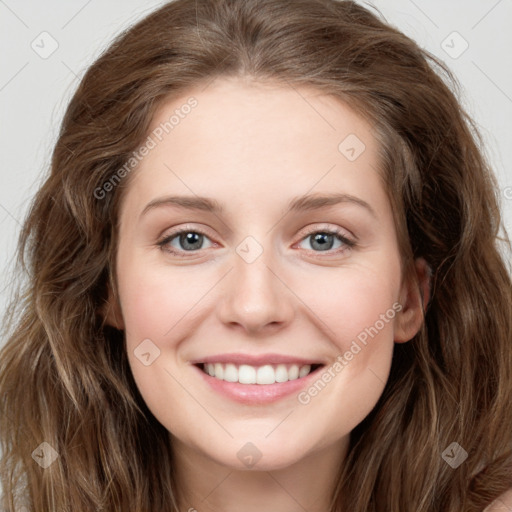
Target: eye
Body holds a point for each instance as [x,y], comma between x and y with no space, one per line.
[190,240]
[186,240]
[325,240]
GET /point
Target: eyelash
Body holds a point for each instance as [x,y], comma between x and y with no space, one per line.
[348,244]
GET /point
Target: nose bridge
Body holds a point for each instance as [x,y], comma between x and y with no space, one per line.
[254,296]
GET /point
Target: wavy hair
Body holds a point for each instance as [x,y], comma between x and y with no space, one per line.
[64,374]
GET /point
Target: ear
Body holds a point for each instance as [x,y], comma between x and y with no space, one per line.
[414,297]
[111,310]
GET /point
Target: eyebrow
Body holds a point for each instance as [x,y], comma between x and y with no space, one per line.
[315,202]
[297,204]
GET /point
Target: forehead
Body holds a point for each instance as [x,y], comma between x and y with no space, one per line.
[260,117]
[242,137]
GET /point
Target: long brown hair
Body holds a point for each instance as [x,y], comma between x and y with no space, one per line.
[64,373]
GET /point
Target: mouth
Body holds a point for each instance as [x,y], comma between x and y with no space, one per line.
[257,379]
[264,375]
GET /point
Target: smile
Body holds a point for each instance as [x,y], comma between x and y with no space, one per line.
[264,375]
[257,379]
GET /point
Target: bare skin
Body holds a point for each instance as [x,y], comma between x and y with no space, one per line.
[253,148]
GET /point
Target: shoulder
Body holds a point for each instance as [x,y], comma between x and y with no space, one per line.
[501,504]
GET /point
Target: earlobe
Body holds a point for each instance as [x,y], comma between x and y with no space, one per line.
[415,297]
[111,311]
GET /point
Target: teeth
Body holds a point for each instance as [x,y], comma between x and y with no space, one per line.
[293,372]
[219,370]
[281,373]
[230,373]
[304,370]
[246,374]
[265,375]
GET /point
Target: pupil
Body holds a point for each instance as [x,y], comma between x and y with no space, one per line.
[191,239]
[324,241]
[319,238]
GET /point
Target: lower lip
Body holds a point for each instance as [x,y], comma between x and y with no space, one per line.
[257,393]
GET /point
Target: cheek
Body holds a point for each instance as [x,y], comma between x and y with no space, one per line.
[156,302]
[353,301]
[159,308]
[357,309]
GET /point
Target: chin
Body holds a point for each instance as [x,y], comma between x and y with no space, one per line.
[259,455]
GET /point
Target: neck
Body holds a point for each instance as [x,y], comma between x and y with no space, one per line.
[207,486]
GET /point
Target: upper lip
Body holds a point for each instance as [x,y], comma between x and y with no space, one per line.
[256,360]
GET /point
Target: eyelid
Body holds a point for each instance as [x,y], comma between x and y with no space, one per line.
[183,228]
[163,241]
[348,240]
[328,228]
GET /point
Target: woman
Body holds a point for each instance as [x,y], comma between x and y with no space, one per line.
[337,334]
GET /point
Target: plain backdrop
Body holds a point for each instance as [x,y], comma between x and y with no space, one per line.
[46,47]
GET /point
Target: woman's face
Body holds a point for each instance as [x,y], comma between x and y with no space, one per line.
[267,280]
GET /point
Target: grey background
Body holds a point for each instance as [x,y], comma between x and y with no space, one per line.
[35,87]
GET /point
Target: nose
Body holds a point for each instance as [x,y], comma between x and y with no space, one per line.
[255,298]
